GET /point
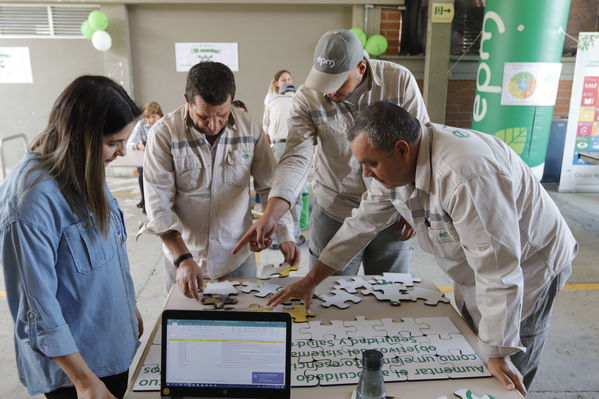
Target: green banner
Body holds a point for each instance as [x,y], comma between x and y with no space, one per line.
[518,73]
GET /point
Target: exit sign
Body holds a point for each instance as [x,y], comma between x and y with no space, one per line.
[442,13]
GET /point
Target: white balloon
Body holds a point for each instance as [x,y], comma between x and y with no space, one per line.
[101,40]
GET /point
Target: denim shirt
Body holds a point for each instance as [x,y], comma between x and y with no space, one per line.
[68,287]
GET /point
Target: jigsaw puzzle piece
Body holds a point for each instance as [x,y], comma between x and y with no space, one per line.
[351,285]
[224,287]
[364,328]
[219,301]
[264,289]
[417,371]
[404,278]
[282,270]
[298,376]
[464,367]
[405,328]
[298,312]
[467,394]
[456,344]
[318,331]
[391,292]
[338,299]
[431,297]
[336,371]
[441,326]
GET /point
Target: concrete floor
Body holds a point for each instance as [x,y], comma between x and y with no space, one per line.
[570,365]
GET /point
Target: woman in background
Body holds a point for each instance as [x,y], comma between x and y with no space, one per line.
[62,248]
[151,114]
[281,78]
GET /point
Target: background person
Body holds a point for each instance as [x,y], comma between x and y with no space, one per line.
[62,247]
[479,209]
[281,77]
[197,169]
[274,123]
[151,113]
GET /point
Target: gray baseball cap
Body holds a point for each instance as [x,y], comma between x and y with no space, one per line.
[336,54]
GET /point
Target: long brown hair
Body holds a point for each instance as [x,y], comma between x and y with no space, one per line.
[90,108]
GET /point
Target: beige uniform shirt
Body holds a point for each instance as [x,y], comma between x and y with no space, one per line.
[338,182]
[207,201]
[492,227]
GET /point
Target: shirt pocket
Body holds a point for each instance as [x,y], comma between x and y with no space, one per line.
[237,168]
[90,250]
[333,137]
[189,173]
[445,241]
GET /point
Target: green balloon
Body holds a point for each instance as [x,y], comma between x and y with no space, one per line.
[360,33]
[376,45]
[97,20]
[86,30]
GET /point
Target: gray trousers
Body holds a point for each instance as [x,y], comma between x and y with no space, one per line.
[246,269]
[534,328]
[383,254]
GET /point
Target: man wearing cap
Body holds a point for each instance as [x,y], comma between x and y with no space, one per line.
[341,82]
[274,123]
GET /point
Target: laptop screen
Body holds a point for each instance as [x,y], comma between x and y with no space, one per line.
[225,353]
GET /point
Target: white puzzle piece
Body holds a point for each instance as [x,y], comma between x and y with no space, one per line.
[431,297]
[404,278]
[223,288]
[317,331]
[406,327]
[456,344]
[351,285]
[364,328]
[391,292]
[264,289]
[442,326]
[281,270]
[339,299]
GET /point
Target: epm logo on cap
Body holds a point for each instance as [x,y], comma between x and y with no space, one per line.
[325,61]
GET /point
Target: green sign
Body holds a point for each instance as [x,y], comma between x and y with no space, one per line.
[526,40]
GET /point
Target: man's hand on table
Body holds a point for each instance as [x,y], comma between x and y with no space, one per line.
[505,371]
[304,288]
[189,278]
[291,252]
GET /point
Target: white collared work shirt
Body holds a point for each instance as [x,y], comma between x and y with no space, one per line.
[492,227]
[206,200]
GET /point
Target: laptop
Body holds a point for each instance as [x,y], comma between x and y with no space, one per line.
[232,354]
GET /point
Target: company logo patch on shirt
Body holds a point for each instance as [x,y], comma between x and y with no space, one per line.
[245,156]
[460,133]
[446,236]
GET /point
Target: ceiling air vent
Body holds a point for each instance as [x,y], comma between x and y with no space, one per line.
[42,21]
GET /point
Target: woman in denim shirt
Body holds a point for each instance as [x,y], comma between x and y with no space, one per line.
[62,248]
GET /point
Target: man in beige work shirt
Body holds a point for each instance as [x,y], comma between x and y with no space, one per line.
[342,82]
[197,168]
[478,208]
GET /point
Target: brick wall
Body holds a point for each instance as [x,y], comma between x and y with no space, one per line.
[460,97]
[391,29]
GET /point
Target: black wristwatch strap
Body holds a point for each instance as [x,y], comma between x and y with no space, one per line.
[182,258]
